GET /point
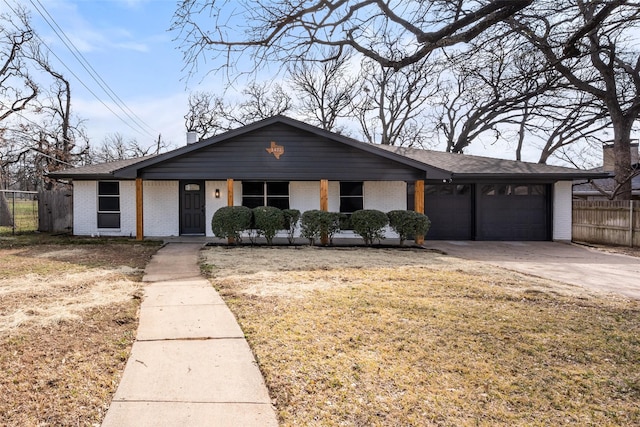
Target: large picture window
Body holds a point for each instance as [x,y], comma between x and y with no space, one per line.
[108,204]
[270,193]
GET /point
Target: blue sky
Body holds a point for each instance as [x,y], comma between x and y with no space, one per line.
[128,44]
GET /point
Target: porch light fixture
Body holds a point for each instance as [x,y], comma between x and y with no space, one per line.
[217,193]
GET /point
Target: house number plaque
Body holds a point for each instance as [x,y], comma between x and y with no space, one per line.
[276,150]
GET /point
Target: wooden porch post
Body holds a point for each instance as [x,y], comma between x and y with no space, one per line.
[139,210]
[324,205]
[230,192]
[230,240]
[324,195]
[418,198]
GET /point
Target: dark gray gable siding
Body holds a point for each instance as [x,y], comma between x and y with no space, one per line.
[307,156]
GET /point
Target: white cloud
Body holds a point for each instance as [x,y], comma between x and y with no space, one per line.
[86,36]
[164,115]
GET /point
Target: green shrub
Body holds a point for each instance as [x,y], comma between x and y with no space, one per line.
[231,221]
[268,220]
[330,224]
[316,223]
[310,225]
[291,218]
[408,223]
[369,224]
[422,224]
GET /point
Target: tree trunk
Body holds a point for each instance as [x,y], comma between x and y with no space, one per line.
[622,152]
[5,213]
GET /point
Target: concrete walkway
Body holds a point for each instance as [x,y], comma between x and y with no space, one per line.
[190,364]
[563,262]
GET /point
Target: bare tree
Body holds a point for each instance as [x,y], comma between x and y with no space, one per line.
[116,147]
[567,118]
[204,115]
[391,103]
[17,88]
[261,102]
[282,30]
[326,90]
[593,45]
[490,88]
[210,114]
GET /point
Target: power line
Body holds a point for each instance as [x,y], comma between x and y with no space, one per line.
[138,130]
[87,66]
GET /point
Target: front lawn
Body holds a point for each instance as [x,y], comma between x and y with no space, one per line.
[68,318]
[397,337]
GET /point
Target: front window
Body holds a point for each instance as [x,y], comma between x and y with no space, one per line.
[108,204]
[351,197]
[270,193]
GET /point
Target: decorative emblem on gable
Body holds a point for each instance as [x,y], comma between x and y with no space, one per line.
[276,150]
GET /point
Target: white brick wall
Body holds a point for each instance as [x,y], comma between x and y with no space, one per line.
[562,193]
[304,195]
[385,196]
[127,210]
[85,209]
[161,200]
[334,196]
[213,204]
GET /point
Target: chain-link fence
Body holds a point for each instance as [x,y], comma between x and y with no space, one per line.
[18,211]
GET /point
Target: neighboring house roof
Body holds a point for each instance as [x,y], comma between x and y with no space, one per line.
[436,165]
[590,187]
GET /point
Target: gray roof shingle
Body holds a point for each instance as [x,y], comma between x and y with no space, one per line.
[99,170]
[464,164]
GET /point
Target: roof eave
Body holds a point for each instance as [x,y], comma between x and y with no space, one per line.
[558,176]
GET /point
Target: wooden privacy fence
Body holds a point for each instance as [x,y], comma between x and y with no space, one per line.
[55,209]
[610,222]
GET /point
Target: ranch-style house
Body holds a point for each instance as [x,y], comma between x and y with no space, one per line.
[286,163]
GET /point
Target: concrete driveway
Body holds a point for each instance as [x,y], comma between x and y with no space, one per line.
[562,262]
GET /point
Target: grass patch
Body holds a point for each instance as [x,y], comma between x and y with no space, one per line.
[392,337]
[68,317]
[24,215]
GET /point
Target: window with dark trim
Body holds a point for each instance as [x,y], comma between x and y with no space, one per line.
[108,204]
[513,190]
[269,193]
[351,197]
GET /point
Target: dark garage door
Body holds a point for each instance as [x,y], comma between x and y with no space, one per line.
[449,207]
[513,212]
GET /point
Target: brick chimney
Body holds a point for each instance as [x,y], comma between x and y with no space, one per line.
[609,159]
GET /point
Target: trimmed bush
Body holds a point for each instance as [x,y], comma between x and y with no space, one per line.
[422,224]
[231,221]
[268,220]
[369,224]
[316,223]
[310,225]
[330,224]
[291,218]
[408,223]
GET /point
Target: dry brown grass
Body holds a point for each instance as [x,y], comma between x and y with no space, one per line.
[408,337]
[68,316]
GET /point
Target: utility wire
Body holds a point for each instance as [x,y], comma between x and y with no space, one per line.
[79,79]
[87,66]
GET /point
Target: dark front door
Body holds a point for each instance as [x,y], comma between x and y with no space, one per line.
[192,207]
